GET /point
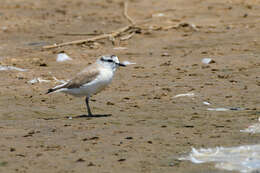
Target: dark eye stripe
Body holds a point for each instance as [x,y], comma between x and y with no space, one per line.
[107,60]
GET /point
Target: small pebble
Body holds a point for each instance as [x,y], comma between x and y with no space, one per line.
[129,138]
[91,138]
[80,160]
[91,164]
[12,149]
[121,160]
[110,103]
[149,142]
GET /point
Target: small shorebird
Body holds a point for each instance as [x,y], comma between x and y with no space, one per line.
[91,80]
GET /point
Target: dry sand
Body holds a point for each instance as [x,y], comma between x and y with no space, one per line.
[148,128]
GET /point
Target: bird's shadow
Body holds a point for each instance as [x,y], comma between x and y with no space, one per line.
[90,116]
[80,116]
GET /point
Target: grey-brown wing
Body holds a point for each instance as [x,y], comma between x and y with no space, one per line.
[86,76]
[82,78]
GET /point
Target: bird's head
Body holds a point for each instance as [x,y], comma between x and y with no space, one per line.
[111,61]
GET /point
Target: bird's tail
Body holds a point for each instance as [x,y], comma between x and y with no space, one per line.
[56,88]
[50,90]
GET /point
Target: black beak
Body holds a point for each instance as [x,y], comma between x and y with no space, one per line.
[120,64]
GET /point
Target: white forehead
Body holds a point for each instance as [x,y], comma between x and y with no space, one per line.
[115,58]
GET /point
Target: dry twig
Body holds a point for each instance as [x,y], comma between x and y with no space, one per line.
[126,14]
[99,37]
[127,37]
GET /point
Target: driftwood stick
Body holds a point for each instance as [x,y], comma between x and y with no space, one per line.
[77,41]
[99,37]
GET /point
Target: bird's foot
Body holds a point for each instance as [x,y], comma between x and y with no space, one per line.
[91,116]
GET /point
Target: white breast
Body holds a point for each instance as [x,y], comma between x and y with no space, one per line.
[103,79]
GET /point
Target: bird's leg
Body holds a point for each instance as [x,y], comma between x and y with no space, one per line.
[89,111]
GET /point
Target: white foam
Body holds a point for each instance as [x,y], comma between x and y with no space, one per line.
[158,15]
[120,48]
[242,158]
[255,128]
[206,103]
[190,94]
[2,68]
[58,80]
[218,109]
[37,80]
[206,60]
[63,57]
